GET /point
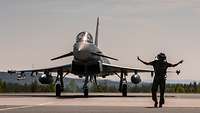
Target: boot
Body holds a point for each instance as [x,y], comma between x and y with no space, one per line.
[156,104]
[160,104]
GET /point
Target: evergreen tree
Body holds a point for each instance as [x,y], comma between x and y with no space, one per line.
[179,89]
[72,86]
[34,86]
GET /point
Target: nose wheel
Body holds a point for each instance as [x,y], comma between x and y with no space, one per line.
[85,91]
[85,87]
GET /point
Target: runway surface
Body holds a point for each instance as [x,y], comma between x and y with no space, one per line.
[96,103]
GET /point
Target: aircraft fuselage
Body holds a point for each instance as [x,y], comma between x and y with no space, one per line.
[85,62]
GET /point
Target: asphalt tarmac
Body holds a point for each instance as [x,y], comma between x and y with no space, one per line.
[96,103]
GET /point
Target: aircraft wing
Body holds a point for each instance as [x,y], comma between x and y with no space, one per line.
[64,68]
[109,68]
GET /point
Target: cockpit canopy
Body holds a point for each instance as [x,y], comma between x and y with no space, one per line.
[84,37]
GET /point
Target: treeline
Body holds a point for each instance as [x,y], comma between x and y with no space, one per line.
[33,87]
[193,87]
[183,88]
[101,87]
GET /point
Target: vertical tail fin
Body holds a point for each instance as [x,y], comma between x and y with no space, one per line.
[97,32]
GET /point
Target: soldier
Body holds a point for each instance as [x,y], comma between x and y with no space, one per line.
[160,67]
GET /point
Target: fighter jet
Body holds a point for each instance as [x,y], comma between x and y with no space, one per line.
[88,62]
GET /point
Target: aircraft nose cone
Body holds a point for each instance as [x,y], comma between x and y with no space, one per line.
[82,52]
[80,48]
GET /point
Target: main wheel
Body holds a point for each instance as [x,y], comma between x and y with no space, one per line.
[85,92]
[124,90]
[58,90]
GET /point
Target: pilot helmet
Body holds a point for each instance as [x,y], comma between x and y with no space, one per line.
[161,56]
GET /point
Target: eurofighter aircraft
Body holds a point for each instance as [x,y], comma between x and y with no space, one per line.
[88,62]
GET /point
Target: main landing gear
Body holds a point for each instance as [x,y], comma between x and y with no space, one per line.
[58,90]
[59,86]
[123,84]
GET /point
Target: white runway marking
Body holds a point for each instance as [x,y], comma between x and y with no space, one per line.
[23,107]
[134,100]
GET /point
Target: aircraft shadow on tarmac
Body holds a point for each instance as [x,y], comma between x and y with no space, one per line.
[103,96]
[78,96]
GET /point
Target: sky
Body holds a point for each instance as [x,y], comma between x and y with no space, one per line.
[34,31]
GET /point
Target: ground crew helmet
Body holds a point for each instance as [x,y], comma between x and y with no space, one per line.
[161,56]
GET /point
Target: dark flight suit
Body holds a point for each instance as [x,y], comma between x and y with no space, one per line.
[160,68]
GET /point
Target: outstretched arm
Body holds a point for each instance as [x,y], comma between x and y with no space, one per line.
[174,65]
[147,63]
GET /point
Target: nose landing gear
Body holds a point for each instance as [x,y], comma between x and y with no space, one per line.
[85,87]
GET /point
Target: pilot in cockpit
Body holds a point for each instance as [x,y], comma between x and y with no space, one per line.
[84,37]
